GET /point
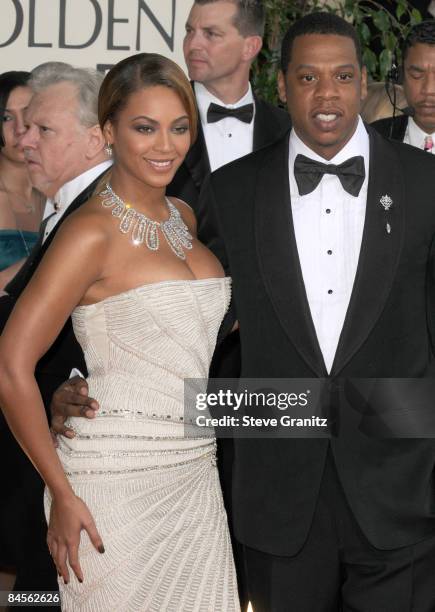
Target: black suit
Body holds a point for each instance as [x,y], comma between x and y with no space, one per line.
[22,522]
[394,128]
[388,332]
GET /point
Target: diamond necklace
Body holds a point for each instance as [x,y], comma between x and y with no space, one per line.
[145,230]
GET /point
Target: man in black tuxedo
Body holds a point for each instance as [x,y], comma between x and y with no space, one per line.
[417,127]
[329,237]
[222,39]
[64,149]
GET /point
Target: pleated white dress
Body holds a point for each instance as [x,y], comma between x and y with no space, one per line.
[154,493]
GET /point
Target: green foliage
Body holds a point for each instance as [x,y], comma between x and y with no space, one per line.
[378,29]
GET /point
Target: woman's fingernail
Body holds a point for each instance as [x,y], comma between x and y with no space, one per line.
[101,548]
[80,580]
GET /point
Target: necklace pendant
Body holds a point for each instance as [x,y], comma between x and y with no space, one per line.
[139,230]
[172,240]
[127,220]
[118,211]
[152,237]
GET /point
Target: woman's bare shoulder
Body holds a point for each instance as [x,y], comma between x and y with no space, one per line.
[90,223]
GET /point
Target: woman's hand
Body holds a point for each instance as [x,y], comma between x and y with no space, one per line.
[68,516]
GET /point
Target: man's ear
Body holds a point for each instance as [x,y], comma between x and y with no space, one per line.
[252,47]
[363,83]
[282,87]
[96,141]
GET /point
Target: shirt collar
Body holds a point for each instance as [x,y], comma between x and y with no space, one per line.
[68,192]
[204,98]
[359,144]
[416,135]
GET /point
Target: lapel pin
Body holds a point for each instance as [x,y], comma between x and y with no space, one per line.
[386,202]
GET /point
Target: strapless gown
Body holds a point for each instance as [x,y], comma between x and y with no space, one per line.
[154,494]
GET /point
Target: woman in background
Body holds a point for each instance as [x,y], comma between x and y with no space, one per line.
[147,300]
[21,207]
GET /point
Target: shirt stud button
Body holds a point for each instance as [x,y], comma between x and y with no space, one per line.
[330,291]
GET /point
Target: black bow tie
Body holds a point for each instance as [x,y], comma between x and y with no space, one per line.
[243,113]
[309,173]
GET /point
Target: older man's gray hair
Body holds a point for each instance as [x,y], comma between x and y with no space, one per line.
[86,80]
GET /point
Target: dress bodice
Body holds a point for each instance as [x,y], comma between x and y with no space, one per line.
[164,329]
[14,245]
[140,346]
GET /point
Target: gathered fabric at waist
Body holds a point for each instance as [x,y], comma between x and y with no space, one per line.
[139,426]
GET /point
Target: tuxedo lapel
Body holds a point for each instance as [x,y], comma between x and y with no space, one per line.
[76,203]
[262,126]
[278,256]
[197,160]
[379,253]
[267,128]
[399,129]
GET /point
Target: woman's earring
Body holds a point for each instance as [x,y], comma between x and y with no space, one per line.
[108,149]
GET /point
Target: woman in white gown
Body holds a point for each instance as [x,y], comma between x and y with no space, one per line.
[136,519]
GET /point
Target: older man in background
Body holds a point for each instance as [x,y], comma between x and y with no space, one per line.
[64,148]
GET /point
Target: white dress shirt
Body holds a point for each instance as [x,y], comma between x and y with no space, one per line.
[68,193]
[328,225]
[415,136]
[229,138]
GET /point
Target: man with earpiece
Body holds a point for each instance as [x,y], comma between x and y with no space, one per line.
[415,125]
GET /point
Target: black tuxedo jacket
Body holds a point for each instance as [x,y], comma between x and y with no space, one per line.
[270,123]
[55,367]
[394,128]
[388,332]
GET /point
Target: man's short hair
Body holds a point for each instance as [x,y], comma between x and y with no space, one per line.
[250,17]
[86,80]
[423,33]
[318,23]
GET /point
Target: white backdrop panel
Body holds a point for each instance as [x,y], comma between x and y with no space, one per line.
[96,33]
